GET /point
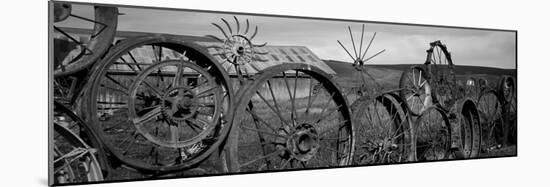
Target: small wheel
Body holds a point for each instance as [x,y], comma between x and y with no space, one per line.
[470,127]
[432,134]
[292,116]
[159,104]
[71,54]
[415,90]
[492,121]
[74,160]
[179,113]
[382,130]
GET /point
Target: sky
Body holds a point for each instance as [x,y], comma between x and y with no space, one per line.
[404,44]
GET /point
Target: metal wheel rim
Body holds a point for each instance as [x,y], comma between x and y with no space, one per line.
[105,23]
[419,97]
[290,160]
[195,139]
[392,146]
[491,117]
[437,145]
[180,46]
[80,159]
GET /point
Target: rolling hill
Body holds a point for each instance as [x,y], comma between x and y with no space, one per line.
[388,75]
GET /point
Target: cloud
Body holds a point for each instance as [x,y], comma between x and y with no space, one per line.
[404,44]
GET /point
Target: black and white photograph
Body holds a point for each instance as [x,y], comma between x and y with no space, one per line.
[140,93]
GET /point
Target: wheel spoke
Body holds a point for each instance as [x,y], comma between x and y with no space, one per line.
[148,116]
[274,153]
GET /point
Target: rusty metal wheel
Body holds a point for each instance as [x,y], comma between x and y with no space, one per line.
[491,116]
[291,117]
[415,90]
[432,134]
[179,113]
[237,48]
[441,75]
[159,103]
[382,129]
[74,160]
[508,95]
[71,54]
[470,127]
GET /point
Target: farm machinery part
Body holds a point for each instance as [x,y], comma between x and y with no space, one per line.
[75,160]
[466,124]
[507,92]
[237,51]
[382,127]
[304,124]
[162,113]
[383,130]
[433,83]
[72,55]
[77,149]
[359,61]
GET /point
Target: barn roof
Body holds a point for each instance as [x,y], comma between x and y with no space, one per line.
[276,54]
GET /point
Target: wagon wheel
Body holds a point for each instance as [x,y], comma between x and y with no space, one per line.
[508,94]
[74,160]
[470,127]
[382,130]
[156,114]
[72,55]
[492,120]
[432,134]
[292,116]
[442,77]
[415,90]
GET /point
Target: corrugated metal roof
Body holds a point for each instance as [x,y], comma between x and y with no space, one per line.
[275,54]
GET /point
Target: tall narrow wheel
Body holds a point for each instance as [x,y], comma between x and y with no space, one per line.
[442,77]
[382,130]
[71,54]
[432,134]
[160,104]
[492,120]
[74,160]
[291,117]
[508,94]
[415,90]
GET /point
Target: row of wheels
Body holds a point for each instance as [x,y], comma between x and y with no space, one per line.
[173,106]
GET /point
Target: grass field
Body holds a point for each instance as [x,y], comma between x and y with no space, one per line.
[370,132]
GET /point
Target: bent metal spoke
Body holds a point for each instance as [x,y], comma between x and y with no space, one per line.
[73,55]
[74,160]
[156,114]
[279,124]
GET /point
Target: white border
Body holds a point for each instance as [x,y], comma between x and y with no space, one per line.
[24,90]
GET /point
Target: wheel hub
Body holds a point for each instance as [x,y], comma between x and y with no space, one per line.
[179,104]
[304,142]
[239,50]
